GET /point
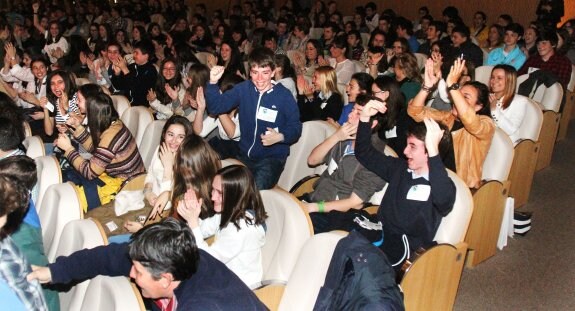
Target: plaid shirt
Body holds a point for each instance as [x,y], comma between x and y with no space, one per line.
[557,64]
[13,270]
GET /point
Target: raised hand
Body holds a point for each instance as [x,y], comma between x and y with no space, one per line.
[216,73]
[430,78]
[371,108]
[167,156]
[200,101]
[190,208]
[172,92]
[211,61]
[346,131]
[151,95]
[455,72]
[433,136]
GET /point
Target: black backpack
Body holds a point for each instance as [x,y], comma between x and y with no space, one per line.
[359,278]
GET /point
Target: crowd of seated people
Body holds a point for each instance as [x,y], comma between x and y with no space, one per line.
[256,73]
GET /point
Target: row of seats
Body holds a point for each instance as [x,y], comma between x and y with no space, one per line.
[277,264]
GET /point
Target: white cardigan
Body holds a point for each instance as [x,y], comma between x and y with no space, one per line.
[240,250]
[510,119]
[155,177]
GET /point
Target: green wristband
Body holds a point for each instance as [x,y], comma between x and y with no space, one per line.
[321,206]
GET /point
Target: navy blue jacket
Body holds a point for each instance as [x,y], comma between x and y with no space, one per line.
[212,287]
[249,101]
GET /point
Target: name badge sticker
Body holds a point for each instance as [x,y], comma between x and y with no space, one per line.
[419,193]
[391,133]
[267,114]
[331,167]
[50,107]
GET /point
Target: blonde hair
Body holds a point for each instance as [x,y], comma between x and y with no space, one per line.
[328,82]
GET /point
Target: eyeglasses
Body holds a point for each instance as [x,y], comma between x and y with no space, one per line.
[379,92]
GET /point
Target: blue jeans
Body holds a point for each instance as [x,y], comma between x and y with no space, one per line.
[266,171]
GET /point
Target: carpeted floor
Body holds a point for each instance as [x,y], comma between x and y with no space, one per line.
[535,272]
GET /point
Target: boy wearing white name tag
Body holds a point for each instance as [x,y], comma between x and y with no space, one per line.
[420,193]
[268,115]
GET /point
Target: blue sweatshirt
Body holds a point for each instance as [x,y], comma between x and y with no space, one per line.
[275,108]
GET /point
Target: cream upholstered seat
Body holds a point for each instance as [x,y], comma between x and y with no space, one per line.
[288,227]
[77,235]
[136,119]
[60,205]
[549,100]
[27,129]
[526,152]
[489,200]
[364,39]
[49,173]
[296,168]
[359,66]
[121,104]
[112,294]
[483,73]
[34,146]
[151,141]
[315,33]
[567,112]
[203,57]
[307,277]
[82,81]
[421,59]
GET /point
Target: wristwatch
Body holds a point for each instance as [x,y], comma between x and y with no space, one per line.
[454,86]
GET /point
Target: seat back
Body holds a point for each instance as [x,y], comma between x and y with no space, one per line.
[499,157]
[203,57]
[421,59]
[148,146]
[136,120]
[288,228]
[315,33]
[34,146]
[364,39]
[549,97]
[121,104]
[49,173]
[309,272]
[571,85]
[296,168]
[77,235]
[483,74]
[454,226]
[82,81]
[341,88]
[60,205]
[359,66]
[531,126]
[112,294]
[27,129]
[230,161]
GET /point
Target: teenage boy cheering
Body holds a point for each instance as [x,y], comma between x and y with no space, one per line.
[268,115]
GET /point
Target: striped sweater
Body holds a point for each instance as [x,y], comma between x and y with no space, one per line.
[116,155]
